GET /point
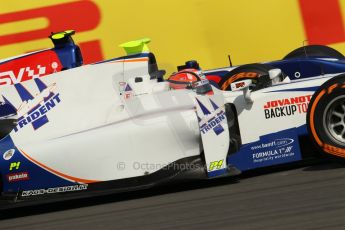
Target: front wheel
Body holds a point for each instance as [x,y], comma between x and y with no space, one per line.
[314,51]
[326,117]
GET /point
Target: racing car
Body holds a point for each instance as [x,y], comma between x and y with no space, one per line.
[115,126]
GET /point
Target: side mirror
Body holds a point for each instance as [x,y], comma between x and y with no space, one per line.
[244,86]
[274,74]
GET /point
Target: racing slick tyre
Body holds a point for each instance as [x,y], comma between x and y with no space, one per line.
[326,117]
[314,51]
[257,72]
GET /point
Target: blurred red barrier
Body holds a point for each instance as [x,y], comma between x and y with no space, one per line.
[80,16]
[323,22]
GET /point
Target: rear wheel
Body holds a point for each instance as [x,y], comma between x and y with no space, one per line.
[314,51]
[258,73]
[326,117]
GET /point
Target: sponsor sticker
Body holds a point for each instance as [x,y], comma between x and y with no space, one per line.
[286,107]
[276,143]
[36,116]
[34,109]
[122,86]
[239,85]
[212,120]
[215,165]
[273,149]
[8,154]
[15,177]
[14,166]
[214,124]
[26,73]
[125,90]
[279,148]
[72,188]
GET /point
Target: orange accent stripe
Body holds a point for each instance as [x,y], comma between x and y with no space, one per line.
[132,60]
[75,179]
[312,111]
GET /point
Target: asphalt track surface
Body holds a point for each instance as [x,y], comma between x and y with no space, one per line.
[299,197]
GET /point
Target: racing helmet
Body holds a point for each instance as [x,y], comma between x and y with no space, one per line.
[192,79]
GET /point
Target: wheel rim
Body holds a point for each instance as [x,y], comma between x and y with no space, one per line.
[334,120]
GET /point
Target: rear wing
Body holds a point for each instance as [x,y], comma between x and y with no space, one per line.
[65,55]
[140,46]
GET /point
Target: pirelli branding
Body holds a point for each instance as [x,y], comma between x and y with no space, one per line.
[286,107]
[72,188]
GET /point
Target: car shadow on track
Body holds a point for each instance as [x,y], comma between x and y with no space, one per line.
[332,164]
[37,209]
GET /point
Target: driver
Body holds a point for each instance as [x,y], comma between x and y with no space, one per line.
[190,78]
